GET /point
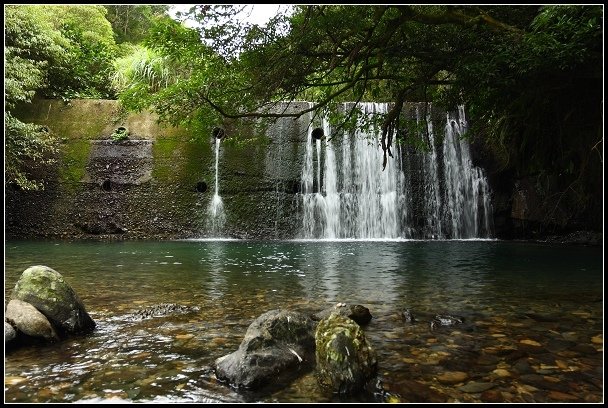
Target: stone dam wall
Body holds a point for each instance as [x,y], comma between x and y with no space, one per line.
[159,183]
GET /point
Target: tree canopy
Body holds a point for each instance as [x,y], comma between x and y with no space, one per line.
[530,76]
[522,71]
[494,59]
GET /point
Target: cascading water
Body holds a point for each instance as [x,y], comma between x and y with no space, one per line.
[354,198]
[464,182]
[217,217]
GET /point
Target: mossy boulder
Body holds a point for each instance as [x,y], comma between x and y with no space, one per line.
[28,320]
[277,346]
[345,359]
[360,314]
[46,290]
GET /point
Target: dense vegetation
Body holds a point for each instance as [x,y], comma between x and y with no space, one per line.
[530,76]
[60,51]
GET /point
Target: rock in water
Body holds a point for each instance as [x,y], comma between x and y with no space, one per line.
[358,313]
[46,290]
[276,345]
[345,359]
[28,320]
[9,333]
[408,316]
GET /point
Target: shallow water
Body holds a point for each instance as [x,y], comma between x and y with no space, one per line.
[533,315]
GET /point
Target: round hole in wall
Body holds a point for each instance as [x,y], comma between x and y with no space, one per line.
[201,186]
[218,132]
[296,187]
[106,185]
[317,133]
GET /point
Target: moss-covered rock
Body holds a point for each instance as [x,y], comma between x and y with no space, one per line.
[46,290]
[345,359]
[360,314]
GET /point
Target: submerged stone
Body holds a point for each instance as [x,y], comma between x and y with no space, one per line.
[162,310]
[345,359]
[46,290]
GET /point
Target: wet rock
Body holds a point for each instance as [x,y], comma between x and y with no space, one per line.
[530,342]
[408,316]
[345,359]
[162,310]
[28,320]
[445,321]
[515,355]
[475,387]
[501,372]
[46,290]
[555,345]
[584,349]
[542,383]
[491,396]
[277,344]
[562,396]
[414,391]
[487,359]
[358,313]
[597,339]
[452,377]
[542,318]
[9,332]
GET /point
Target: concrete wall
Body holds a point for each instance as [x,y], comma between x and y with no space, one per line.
[146,187]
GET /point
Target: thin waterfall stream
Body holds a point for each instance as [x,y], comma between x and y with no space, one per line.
[216,206]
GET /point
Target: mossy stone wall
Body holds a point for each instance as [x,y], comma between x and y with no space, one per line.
[146,187]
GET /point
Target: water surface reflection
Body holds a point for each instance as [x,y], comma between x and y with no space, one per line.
[513,295]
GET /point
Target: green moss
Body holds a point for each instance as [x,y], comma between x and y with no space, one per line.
[198,157]
[166,153]
[74,161]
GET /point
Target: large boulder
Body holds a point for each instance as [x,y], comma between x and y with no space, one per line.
[28,320]
[345,359]
[277,345]
[46,290]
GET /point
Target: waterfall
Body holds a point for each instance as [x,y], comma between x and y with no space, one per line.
[332,196]
[465,184]
[431,179]
[354,198]
[216,206]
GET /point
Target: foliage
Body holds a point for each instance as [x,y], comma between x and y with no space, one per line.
[120,134]
[89,54]
[25,144]
[132,22]
[31,45]
[59,51]
[167,72]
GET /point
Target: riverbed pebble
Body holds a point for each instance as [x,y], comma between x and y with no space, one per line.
[452,377]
